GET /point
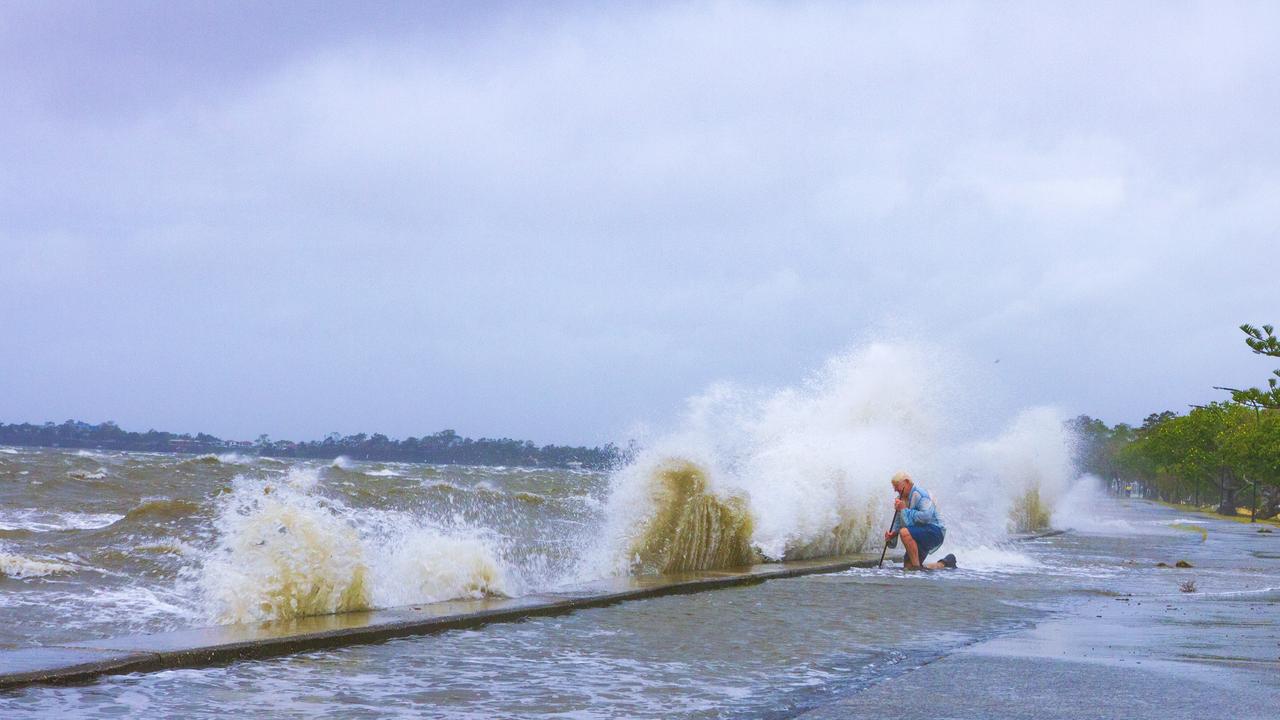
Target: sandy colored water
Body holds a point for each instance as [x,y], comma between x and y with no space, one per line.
[806,644]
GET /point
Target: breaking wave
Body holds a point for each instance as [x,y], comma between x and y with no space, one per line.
[19,567]
[426,565]
[745,475]
[1082,509]
[804,472]
[1030,464]
[99,474]
[230,458]
[689,527]
[286,551]
[36,520]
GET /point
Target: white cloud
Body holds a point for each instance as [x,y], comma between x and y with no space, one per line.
[1072,177]
[619,206]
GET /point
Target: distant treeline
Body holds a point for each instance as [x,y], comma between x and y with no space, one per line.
[444,447]
[1223,453]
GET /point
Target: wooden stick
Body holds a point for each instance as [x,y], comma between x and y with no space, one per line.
[886,542]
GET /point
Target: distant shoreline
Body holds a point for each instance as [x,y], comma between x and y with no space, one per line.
[445,447]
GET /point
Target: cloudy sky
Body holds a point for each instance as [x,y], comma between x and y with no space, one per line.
[555,223]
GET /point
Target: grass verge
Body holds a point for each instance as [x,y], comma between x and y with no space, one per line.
[1241,516]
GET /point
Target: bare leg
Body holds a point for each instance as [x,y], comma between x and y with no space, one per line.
[913,550]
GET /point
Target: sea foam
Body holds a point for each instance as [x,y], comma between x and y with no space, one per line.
[809,466]
[19,566]
[286,550]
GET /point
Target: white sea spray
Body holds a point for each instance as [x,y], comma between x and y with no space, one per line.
[37,520]
[284,550]
[18,566]
[812,463]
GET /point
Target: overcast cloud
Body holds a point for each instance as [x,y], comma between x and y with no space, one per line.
[554,224]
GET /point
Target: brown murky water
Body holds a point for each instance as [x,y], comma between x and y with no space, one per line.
[107,544]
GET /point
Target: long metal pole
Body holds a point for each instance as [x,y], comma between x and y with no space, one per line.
[886,541]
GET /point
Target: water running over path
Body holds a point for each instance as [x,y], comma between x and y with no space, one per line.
[771,650]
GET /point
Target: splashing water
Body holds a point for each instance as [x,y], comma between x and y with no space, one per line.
[283,554]
[425,565]
[796,473]
[1031,461]
[807,468]
[18,566]
[285,551]
[1082,509]
[230,458]
[37,520]
[691,527]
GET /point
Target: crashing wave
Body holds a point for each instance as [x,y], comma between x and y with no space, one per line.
[342,462]
[36,520]
[1032,461]
[285,551]
[807,468]
[19,567]
[851,524]
[283,554]
[426,565]
[689,527]
[228,458]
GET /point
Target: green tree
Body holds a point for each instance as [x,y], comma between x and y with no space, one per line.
[1262,341]
[1252,448]
[1206,448]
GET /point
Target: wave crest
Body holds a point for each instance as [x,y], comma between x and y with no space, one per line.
[37,520]
[162,509]
[804,472]
[281,555]
[227,458]
[424,565]
[286,551]
[691,528]
[19,567]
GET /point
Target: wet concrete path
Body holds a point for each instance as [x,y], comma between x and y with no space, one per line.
[1014,633]
[197,647]
[1144,650]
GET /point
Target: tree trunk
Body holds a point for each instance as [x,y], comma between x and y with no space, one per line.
[1227,499]
[1269,504]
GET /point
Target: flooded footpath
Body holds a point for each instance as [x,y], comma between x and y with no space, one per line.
[1084,624]
[1154,642]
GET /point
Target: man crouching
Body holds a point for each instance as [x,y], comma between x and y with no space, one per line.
[919,525]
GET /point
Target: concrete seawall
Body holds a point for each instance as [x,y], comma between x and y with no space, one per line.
[197,647]
[79,661]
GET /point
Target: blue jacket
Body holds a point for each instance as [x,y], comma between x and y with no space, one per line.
[920,510]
